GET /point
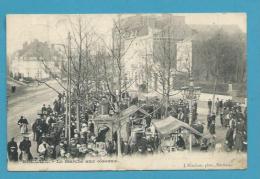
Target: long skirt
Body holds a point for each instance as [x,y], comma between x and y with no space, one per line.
[23,129]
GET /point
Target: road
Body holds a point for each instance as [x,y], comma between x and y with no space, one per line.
[28,104]
[202,116]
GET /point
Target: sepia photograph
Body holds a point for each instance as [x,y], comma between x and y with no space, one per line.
[126,91]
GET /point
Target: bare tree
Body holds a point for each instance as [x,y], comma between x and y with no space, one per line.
[165,59]
[113,68]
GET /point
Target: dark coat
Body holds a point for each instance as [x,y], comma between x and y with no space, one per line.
[25,145]
[12,150]
[229,137]
[22,121]
[180,143]
[49,110]
[209,103]
[44,127]
[91,127]
[212,129]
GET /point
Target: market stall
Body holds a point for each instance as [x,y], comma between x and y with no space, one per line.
[172,130]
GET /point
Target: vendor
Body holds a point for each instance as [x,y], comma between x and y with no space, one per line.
[180,143]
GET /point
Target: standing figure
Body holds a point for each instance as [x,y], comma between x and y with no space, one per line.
[209,105]
[25,146]
[209,119]
[34,128]
[180,115]
[212,128]
[91,126]
[221,105]
[44,109]
[239,136]
[217,106]
[12,150]
[229,138]
[180,143]
[43,149]
[22,122]
[49,110]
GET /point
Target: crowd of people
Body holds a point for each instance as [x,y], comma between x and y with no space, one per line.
[53,141]
[233,119]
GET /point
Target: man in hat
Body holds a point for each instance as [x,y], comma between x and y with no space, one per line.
[25,146]
[44,109]
[44,125]
[49,110]
[12,150]
[36,128]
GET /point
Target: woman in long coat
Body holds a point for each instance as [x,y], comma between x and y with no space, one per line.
[22,122]
[229,138]
[239,136]
[238,141]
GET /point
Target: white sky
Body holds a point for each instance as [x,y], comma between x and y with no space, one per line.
[54,28]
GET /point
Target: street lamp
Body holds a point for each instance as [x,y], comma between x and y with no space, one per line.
[191,93]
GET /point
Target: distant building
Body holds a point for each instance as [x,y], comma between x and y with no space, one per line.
[25,63]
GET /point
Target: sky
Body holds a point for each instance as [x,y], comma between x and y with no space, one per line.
[54,28]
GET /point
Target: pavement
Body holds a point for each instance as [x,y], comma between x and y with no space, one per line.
[28,104]
[202,116]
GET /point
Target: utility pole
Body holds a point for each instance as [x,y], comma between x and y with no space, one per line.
[146,73]
[69,86]
[67,101]
[191,93]
[190,110]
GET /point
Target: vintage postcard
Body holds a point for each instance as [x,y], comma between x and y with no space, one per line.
[126,91]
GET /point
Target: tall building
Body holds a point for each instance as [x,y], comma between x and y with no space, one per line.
[147,41]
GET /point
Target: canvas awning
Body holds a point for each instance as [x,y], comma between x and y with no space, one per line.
[130,111]
[171,125]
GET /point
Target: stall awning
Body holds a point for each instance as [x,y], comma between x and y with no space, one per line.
[171,125]
[130,111]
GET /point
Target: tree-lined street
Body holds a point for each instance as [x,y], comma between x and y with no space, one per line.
[151,85]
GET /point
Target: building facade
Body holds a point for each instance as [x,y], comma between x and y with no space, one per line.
[27,63]
[148,40]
